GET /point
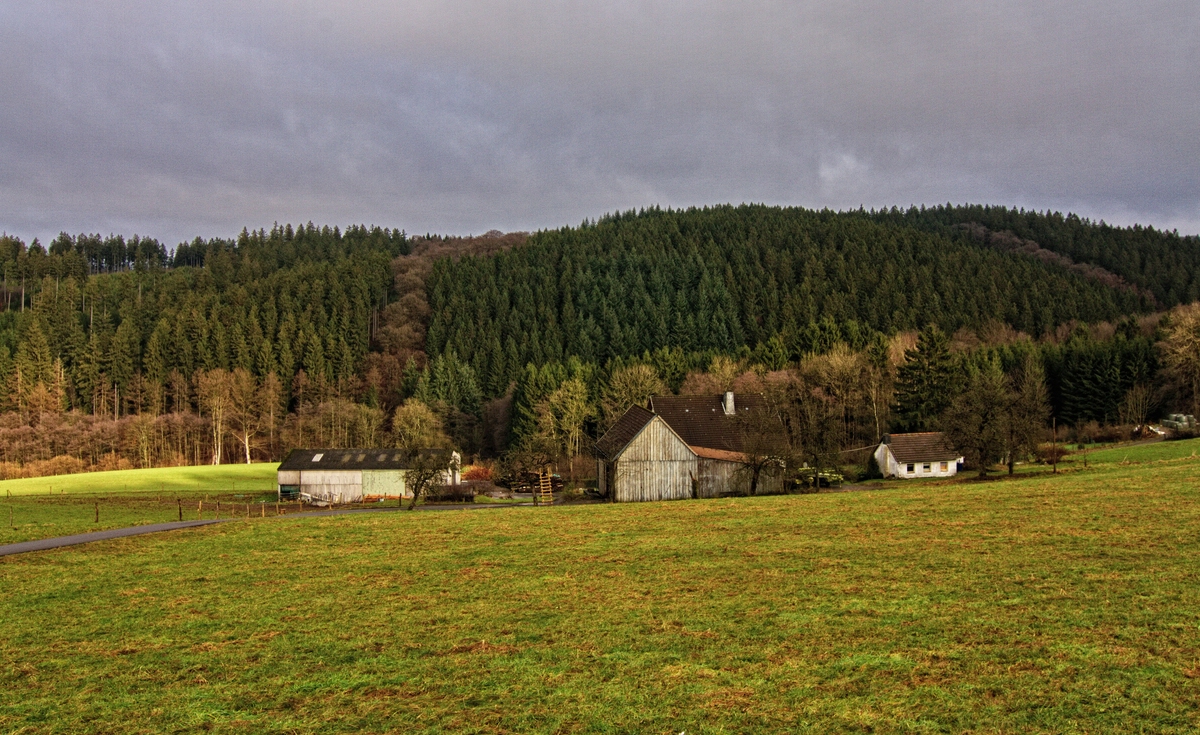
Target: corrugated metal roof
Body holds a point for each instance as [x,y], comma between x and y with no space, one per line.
[361,459]
[928,446]
[623,432]
[701,421]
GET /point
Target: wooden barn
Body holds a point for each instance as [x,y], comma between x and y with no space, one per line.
[349,475]
[679,447]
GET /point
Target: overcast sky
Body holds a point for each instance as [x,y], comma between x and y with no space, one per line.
[177,119]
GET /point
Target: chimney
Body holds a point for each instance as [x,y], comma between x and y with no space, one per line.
[728,403]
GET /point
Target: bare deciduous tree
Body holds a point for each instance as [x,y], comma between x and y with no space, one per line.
[1182,350]
[975,421]
[1028,410]
[428,470]
[245,408]
[1135,406]
[630,386]
[213,390]
[416,426]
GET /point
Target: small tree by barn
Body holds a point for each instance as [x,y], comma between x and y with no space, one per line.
[764,446]
[426,473]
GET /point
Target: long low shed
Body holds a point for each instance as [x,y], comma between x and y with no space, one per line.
[349,475]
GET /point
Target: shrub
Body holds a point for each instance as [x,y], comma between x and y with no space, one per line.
[1048,453]
[873,472]
[478,473]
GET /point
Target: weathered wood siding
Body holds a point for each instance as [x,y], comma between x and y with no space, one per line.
[716,477]
[656,465]
[289,477]
[720,477]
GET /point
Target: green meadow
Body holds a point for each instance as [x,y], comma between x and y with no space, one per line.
[1040,603]
[256,477]
[64,505]
[1147,452]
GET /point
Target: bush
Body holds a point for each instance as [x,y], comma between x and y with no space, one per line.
[1048,453]
[464,493]
[478,473]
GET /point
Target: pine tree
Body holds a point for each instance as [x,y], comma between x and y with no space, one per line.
[926,382]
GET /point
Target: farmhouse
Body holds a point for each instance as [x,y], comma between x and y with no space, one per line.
[925,454]
[349,475]
[679,447]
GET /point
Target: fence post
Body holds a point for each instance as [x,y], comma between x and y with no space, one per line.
[218,509]
[97,511]
[179,503]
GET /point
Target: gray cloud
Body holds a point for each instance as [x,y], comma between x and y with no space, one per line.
[189,118]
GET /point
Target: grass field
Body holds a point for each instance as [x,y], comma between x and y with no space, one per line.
[1037,604]
[67,504]
[1153,452]
[256,477]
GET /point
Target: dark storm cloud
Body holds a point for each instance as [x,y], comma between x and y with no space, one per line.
[179,119]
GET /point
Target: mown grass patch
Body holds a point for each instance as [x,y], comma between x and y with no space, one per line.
[1037,604]
[257,477]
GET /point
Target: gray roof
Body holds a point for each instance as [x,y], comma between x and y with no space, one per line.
[928,446]
[623,432]
[700,421]
[362,459]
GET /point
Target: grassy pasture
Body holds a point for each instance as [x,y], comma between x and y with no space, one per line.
[1036,604]
[1153,452]
[66,504]
[258,477]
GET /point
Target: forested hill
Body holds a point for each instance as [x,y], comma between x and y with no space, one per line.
[1164,264]
[725,278]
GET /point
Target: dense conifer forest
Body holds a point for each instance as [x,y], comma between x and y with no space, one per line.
[119,352]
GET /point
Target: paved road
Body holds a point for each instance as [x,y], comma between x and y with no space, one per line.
[86,538]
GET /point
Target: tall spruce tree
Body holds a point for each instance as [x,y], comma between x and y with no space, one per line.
[926,382]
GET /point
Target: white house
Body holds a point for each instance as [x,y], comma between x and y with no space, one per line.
[926,454]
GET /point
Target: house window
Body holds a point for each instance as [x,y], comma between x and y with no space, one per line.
[926,467]
[912,467]
[945,466]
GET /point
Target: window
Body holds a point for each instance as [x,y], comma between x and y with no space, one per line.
[317,457]
[912,467]
[945,466]
[926,467]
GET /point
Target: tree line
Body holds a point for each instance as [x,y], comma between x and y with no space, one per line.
[120,351]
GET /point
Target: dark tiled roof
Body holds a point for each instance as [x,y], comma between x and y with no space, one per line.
[929,446]
[701,421]
[622,432]
[361,459]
